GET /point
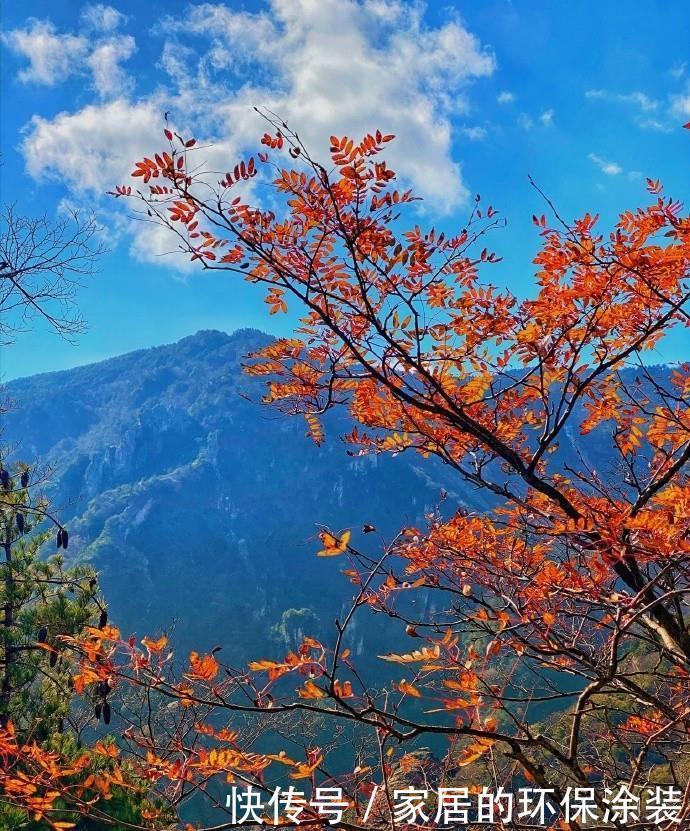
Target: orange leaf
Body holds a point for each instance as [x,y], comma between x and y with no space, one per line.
[332,545]
[155,646]
[202,667]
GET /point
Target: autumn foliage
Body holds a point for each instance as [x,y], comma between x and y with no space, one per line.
[557,648]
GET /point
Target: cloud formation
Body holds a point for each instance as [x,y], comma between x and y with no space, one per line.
[608,167]
[94,147]
[657,114]
[109,78]
[680,105]
[327,66]
[98,17]
[546,118]
[96,50]
[335,67]
[51,56]
[641,103]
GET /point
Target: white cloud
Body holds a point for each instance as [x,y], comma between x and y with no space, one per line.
[52,56]
[657,114]
[94,148]
[656,125]
[474,133]
[607,167]
[680,105]
[640,100]
[677,71]
[528,122]
[344,67]
[99,17]
[505,97]
[546,118]
[525,121]
[332,66]
[109,78]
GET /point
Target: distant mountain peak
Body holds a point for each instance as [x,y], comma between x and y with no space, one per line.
[215,337]
[206,336]
[202,342]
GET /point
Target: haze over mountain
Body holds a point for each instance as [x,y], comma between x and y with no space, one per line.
[200,506]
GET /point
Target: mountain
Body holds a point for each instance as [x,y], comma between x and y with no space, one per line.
[200,507]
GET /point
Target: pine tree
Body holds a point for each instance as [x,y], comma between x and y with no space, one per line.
[42,598]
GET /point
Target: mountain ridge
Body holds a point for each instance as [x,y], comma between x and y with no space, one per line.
[184,494]
[197,503]
[200,333]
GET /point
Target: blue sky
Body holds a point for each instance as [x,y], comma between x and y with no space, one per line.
[587,97]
